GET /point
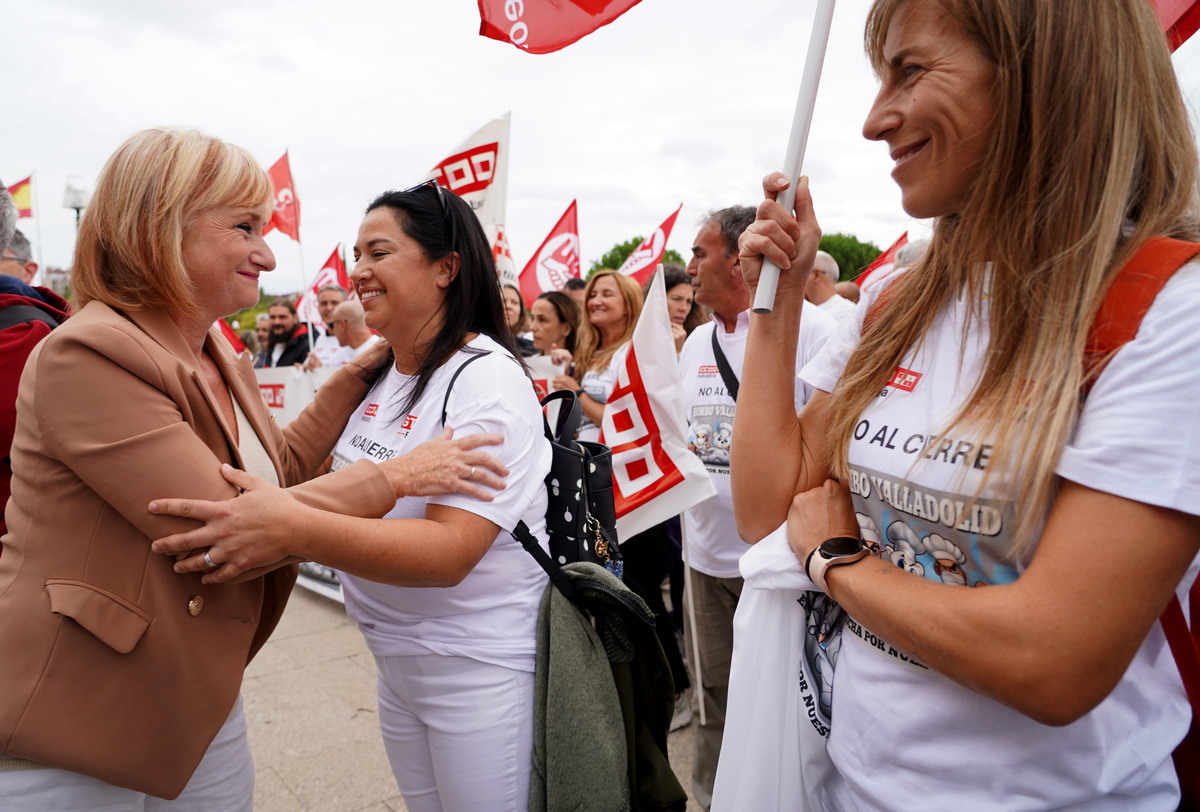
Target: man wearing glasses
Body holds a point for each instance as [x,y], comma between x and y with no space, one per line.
[17,259]
[27,315]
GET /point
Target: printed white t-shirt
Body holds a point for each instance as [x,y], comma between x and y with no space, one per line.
[329,352]
[598,385]
[491,616]
[714,545]
[904,737]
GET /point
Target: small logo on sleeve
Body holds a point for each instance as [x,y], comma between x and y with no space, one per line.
[904,379]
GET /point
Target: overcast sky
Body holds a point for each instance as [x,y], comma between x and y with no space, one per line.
[677,101]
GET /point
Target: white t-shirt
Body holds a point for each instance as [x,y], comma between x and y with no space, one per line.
[841,308]
[329,352]
[363,347]
[903,737]
[492,615]
[714,545]
[598,385]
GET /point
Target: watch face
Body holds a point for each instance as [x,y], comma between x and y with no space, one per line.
[841,546]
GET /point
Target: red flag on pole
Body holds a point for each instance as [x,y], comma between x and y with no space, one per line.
[333,272]
[645,259]
[228,332]
[883,263]
[286,216]
[23,197]
[1179,18]
[556,261]
[540,27]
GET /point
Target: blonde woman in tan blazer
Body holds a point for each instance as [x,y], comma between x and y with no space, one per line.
[120,677]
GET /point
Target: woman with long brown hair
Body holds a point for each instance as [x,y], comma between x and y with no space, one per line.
[611,304]
[1001,545]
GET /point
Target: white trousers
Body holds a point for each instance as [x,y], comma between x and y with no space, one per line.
[224,782]
[458,732]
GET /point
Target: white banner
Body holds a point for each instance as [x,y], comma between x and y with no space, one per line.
[477,171]
[287,390]
[655,477]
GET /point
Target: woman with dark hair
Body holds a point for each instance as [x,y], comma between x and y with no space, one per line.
[555,322]
[446,601]
[517,318]
[685,312]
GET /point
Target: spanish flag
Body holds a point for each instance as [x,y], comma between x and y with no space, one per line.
[21,195]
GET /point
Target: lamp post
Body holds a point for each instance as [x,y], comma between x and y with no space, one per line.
[78,195]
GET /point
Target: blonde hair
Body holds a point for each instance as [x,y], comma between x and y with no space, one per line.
[129,253]
[1090,138]
[589,355]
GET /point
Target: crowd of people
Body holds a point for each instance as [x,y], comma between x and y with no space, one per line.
[947,520]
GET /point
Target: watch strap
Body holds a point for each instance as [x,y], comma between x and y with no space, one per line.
[818,563]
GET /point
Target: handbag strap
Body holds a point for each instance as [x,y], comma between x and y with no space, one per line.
[457,372]
[731,380]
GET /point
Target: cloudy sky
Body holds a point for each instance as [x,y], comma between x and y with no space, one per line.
[677,101]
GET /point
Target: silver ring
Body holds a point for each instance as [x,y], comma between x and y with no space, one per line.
[212,565]
[471,476]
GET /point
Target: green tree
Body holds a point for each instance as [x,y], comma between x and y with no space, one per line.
[852,254]
[620,252]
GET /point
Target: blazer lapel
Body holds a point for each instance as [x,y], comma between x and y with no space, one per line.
[238,373]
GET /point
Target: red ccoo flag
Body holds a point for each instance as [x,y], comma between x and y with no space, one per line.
[1179,18]
[544,26]
[333,272]
[556,261]
[286,216]
[645,259]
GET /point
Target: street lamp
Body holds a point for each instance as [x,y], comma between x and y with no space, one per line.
[79,194]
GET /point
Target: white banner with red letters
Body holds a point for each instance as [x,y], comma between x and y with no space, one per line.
[287,390]
[655,477]
[477,171]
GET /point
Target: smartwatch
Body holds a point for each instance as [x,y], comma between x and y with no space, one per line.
[833,553]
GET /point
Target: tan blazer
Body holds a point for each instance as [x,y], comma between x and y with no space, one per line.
[111,664]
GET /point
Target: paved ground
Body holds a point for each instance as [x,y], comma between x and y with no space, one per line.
[310,705]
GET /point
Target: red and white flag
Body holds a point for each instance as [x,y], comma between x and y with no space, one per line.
[286,216]
[1179,18]
[333,272]
[544,26]
[228,332]
[655,477]
[477,171]
[883,263]
[645,258]
[556,261]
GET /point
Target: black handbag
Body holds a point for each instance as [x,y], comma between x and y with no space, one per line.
[581,519]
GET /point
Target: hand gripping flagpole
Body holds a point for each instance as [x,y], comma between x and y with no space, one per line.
[793,159]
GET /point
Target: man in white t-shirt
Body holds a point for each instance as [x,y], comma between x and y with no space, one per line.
[348,324]
[713,544]
[327,352]
[821,289]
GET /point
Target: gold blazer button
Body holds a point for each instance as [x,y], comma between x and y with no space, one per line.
[195,605]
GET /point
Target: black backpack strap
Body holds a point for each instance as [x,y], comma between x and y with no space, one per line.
[457,372]
[557,576]
[731,381]
[24,314]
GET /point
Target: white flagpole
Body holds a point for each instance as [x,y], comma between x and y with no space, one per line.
[37,222]
[697,682]
[793,159]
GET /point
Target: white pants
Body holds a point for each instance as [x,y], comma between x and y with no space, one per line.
[224,782]
[458,732]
